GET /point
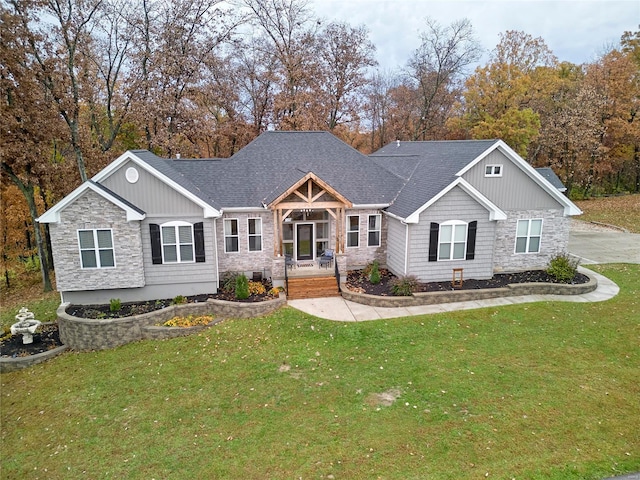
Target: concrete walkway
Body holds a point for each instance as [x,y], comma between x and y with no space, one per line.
[339,309]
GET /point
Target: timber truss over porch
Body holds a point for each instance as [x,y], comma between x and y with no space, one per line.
[310,193]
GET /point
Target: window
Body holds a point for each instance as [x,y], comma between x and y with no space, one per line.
[528,236]
[231,239]
[177,242]
[322,237]
[255,234]
[493,171]
[373,237]
[96,248]
[452,241]
[353,230]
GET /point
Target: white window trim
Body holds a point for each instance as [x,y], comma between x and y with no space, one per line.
[249,235]
[528,237]
[225,236]
[379,230]
[96,249]
[175,225]
[453,224]
[352,231]
[493,169]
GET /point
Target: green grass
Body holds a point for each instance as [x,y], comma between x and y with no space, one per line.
[535,391]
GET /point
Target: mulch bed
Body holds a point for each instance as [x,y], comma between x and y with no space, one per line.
[358,281]
[46,338]
[138,308]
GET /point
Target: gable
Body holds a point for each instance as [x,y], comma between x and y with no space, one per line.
[513,189]
[148,192]
[508,153]
[54,213]
[162,170]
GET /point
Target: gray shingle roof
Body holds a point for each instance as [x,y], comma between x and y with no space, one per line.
[426,168]
[551,177]
[406,176]
[275,161]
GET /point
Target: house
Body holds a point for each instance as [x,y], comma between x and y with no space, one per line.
[146,227]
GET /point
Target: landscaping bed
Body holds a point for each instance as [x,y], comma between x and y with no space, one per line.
[358,281]
[46,338]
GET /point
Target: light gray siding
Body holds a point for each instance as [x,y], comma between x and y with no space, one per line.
[455,205]
[91,211]
[514,190]
[554,240]
[180,275]
[396,235]
[150,194]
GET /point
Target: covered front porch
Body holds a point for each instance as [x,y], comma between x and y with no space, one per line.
[309,223]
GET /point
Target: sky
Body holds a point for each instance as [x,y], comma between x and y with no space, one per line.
[577,31]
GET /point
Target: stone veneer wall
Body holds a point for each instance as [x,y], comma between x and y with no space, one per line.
[91,211]
[554,240]
[88,334]
[243,260]
[361,256]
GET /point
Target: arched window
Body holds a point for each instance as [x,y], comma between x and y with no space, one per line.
[177,242]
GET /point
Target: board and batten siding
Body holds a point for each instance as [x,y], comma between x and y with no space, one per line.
[514,190]
[396,245]
[151,195]
[455,205]
[183,278]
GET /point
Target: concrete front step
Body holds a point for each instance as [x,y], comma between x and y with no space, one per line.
[315,287]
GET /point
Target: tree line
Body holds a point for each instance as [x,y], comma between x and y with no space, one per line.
[84,80]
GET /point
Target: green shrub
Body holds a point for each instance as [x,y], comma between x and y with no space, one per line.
[374,275]
[404,286]
[115,305]
[32,264]
[563,268]
[228,281]
[242,287]
[179,300]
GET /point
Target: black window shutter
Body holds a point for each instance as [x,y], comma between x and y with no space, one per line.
[198,234]
[156,244]
[471,240]
[434,231]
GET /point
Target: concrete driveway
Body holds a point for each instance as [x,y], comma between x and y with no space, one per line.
[596,244]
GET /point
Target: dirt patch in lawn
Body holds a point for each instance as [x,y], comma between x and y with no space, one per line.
[384,399]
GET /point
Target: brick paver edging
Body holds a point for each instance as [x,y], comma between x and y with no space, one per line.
[88,334]
[12,364]
[434,298]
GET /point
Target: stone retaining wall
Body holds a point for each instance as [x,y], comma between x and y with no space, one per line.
[433,298]
[89,334]
[13,364]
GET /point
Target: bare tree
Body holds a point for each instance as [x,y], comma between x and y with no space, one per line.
[436,71]
[346,54]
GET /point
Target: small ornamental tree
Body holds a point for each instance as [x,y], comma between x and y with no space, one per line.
[242,287]
[374,275]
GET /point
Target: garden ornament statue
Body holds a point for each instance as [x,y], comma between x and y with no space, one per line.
[26,325]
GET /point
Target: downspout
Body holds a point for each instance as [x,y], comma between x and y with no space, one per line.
[406,247]
[215,244]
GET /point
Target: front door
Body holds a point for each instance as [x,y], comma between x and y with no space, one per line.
[304,241]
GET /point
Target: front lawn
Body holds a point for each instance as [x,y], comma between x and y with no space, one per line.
[532,391]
